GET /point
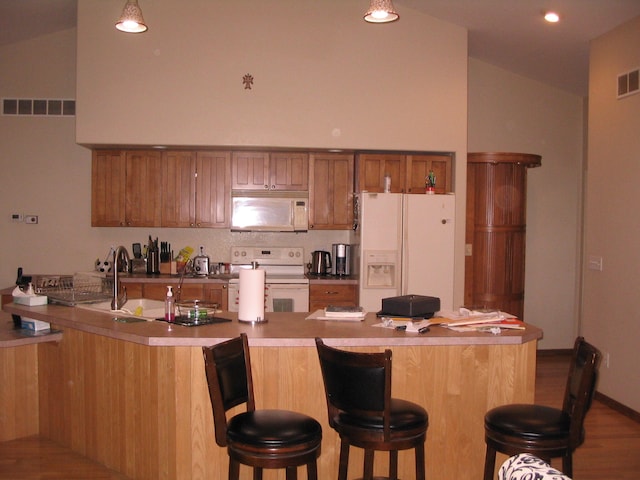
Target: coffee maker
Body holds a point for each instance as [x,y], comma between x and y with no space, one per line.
[341,253]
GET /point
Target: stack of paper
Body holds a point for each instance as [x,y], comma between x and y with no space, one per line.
[467,320]
[333,311]
[341,314]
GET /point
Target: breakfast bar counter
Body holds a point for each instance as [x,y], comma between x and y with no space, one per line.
[134,396]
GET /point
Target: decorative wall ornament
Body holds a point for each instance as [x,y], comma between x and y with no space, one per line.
[248,81]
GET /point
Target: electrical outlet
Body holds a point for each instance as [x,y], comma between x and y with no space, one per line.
[32,219]
[468,250]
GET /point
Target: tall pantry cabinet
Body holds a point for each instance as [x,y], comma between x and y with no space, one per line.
[496,229]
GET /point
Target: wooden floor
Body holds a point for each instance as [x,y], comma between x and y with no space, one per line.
[611,450]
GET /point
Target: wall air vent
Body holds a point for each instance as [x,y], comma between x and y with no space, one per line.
[39,107]
[628,83]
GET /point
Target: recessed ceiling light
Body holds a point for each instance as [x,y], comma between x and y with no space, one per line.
[551,17]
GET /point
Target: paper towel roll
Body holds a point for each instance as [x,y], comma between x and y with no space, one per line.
[251,296]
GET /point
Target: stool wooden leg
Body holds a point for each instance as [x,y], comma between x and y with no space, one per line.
[567,464]
[393,465]
[312,470]
[489,463]
[234,469]
[257,473]
[420,462]
[292,473]
[344,459]
[368,465]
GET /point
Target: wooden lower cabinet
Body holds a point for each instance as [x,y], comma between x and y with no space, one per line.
[145,410]
[217,293]
[208,292]
[19,397]
[321,295]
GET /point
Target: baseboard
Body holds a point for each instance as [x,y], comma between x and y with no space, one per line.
[609,402]
[618,407]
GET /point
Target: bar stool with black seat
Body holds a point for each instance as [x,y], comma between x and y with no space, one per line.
[258,438]
[362,411]
[543,431]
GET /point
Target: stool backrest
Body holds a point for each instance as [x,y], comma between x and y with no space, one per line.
[581,387]
[356,383]
[228,369]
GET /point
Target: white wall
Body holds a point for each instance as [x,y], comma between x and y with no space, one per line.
[610,315]
[322,77]
[510,113]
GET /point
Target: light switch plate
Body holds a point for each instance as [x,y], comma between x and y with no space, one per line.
[31,219]
[595,263]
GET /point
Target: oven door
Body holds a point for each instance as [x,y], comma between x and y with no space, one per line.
[279,297]
[287,297]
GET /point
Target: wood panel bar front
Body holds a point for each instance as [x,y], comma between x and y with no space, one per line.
[144,410]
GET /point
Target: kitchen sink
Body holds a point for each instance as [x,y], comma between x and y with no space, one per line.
[135,307]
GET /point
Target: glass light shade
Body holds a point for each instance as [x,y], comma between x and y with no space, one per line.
[552,17]
[131,20]
[381,11]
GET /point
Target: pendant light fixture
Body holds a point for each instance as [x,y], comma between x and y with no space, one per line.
[131,20]
[381,11]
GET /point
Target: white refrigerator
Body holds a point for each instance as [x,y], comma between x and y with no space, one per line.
[406,247]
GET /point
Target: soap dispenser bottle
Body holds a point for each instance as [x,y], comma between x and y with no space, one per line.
[169,306]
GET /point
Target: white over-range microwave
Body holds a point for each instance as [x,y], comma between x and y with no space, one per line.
[270,211]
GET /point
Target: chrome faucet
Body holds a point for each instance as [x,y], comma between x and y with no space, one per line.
[119,300]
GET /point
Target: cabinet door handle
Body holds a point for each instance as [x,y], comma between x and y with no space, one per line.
[331,293]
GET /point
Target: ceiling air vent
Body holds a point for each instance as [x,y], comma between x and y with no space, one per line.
[39,107]
[628,83]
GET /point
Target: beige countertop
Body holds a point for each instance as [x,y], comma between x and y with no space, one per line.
[280,329]
[16,337]
[224,278]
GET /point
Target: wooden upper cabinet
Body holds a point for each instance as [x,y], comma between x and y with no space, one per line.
[407,172]
[108,174]
[179,189]
[372,168]
[331,191]
[143,191]
[289,171]
[126,188]
[213,189]
[270,171]
[419,166]
[250,171]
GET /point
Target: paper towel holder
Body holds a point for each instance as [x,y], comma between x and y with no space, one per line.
[258,319]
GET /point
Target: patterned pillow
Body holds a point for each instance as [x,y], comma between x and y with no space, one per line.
[525,466]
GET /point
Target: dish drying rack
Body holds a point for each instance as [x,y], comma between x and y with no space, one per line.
[78,288]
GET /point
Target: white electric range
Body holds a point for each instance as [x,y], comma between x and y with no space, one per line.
[286,287]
